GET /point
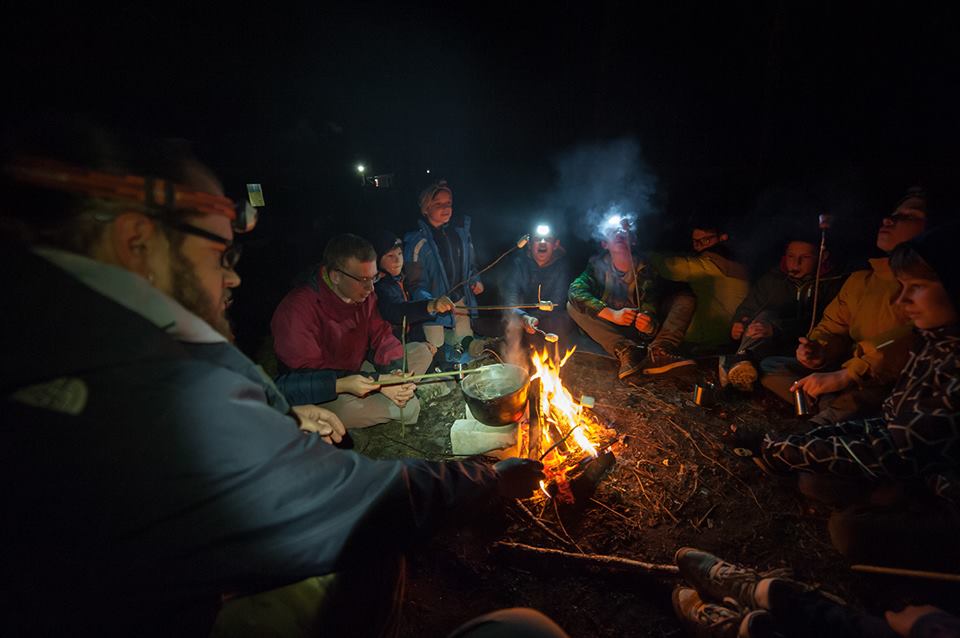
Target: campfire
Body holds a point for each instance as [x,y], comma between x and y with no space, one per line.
[562,432]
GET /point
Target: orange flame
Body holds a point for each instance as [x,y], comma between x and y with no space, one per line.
[569,418]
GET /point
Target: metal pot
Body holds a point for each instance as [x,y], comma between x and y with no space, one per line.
[498,394]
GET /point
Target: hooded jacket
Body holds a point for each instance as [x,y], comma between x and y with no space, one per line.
[863,328]
[156,480]
[426,276]
[788,302]
[601,285]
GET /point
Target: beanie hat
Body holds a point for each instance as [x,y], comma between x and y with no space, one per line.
[938,247]
[428,193]
[384,241]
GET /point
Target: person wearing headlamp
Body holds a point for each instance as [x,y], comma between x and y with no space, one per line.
[539,273]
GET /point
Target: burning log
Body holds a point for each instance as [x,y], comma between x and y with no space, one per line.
[593,561]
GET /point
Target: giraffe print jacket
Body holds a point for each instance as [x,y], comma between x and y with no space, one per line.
[917,438]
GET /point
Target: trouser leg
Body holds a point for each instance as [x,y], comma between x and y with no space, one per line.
[808,613]
[779,373]
[461,324]
[606,334]
[677,312]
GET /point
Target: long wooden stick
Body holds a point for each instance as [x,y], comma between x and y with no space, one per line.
[909,573]
[403,369]
[389,379]
[592,560]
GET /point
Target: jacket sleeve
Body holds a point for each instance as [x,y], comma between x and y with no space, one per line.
[938,624]
[296,334]
[301,387]
[387,349]
[414,246]
[237,491]
[833,330]
[510,288]
[682,267]
[755,301]
[583,293]
[393,307]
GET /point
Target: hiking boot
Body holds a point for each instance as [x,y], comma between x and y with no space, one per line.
[743,375]
[709,620]
[631,359]
[718,580]
[660,360]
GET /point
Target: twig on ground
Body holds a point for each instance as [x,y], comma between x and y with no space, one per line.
[406,445]
[560,523]
[716,462]
[592,560]
[536,521]
[703,518]
[613,511]
[909,573]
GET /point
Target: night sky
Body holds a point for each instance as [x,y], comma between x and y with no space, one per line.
[750,113]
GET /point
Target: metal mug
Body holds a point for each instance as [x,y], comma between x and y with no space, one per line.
[704,394]
[801,402]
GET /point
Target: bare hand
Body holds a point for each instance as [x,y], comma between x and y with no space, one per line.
[477,288]
[440,305]
[530,323]
[760,329]
[738,328]
[622,317]
[810,354]
[357,385]
[399,394]
[320,421]
[643,323]
[902,621]
[432,348]
[820,383]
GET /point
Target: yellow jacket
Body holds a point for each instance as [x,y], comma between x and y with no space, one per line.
[863,321]
[720,284]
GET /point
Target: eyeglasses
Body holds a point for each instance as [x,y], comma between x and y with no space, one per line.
[363,281]
[704,240]
[230,256]
[896,218]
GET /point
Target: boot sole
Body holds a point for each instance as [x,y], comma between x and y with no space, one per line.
[668,367]
[742,377]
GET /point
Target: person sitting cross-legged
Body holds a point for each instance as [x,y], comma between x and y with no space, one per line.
[604,300]
[323,331]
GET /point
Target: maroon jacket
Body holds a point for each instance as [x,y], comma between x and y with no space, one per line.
[314,329]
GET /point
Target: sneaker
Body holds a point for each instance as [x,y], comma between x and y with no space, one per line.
[660,360]
[743,375]
[718,580]
[631,359]
[476,345]
[705,620]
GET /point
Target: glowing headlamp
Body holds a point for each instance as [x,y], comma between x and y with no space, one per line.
[542,231]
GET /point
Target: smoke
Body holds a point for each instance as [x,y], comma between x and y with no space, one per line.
[598,180]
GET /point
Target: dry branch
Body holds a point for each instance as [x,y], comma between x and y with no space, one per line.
[591,560]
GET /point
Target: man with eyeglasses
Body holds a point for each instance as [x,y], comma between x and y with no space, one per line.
[149,480]
[851,359]
[717,278]
[323,331]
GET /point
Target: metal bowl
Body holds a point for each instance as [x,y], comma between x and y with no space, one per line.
[498,394]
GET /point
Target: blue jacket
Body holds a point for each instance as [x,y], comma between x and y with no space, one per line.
[425,272]
[395,301]
[158,476]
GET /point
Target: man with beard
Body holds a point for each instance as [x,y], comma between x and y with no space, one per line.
[777,310]
[851,359]
[149,483]
[323,330]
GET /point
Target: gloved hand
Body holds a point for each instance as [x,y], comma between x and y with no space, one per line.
[519,478]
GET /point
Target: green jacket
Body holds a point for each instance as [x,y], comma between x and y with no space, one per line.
[601,285]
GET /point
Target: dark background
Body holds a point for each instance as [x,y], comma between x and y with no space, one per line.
[760,115]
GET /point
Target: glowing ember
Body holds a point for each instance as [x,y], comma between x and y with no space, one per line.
[569,432]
